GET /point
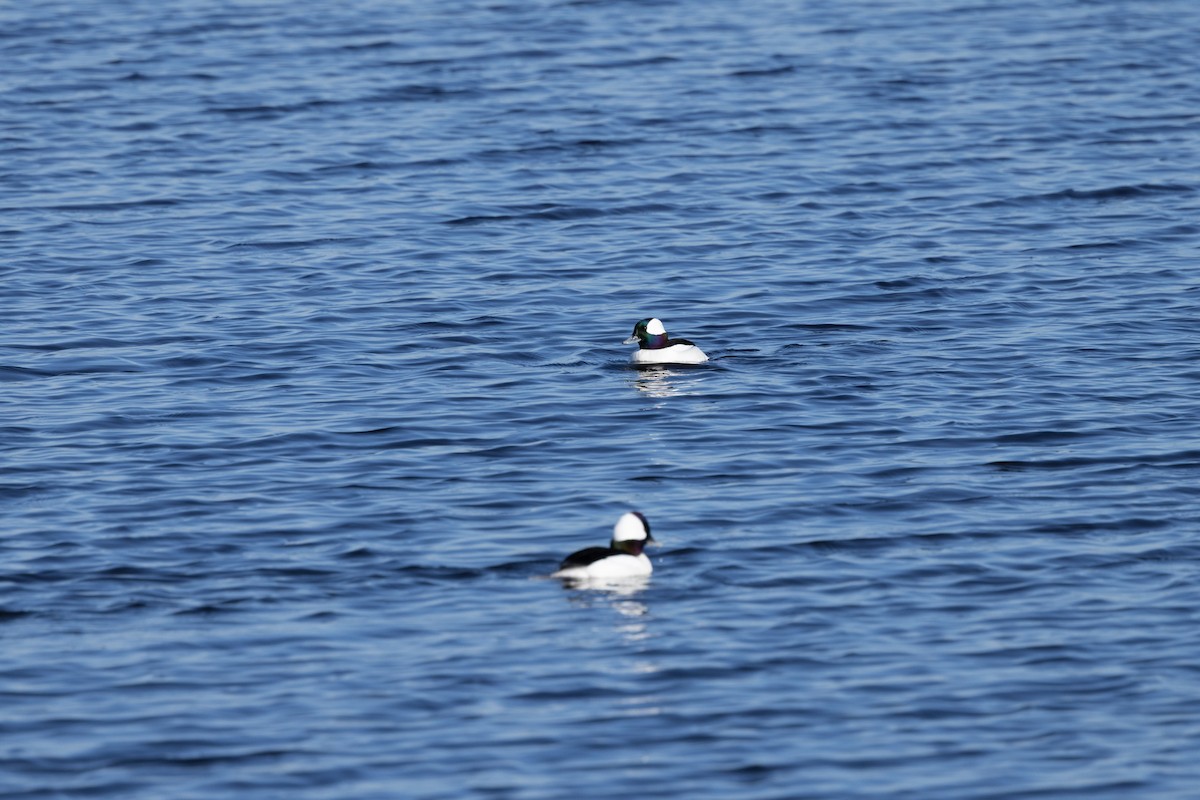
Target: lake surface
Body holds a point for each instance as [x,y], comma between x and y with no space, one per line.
[312,373]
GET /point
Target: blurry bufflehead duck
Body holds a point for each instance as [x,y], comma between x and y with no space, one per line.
[623,558]
[655,347]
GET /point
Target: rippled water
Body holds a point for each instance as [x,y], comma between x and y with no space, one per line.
[312,372]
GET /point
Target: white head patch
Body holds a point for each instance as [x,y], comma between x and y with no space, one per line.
[629,528]
[655,328]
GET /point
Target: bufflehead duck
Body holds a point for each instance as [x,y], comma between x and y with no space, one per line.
[655,347]
[623,558]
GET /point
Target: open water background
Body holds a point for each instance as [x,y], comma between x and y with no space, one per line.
[312,369]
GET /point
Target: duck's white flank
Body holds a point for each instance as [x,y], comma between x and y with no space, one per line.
[675,354]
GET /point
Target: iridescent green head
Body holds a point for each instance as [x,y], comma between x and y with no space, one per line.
[631,533]
[649,334]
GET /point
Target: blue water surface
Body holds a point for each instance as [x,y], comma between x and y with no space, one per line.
[312,373]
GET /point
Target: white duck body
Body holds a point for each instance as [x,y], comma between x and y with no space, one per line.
[623,558]
[609,568]
[675,354]
[655,347]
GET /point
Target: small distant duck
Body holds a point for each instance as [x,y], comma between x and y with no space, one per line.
[655,347]
[623,558]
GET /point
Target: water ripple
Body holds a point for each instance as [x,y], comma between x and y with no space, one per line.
[313,374]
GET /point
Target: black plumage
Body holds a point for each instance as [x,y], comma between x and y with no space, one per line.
[588,555]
